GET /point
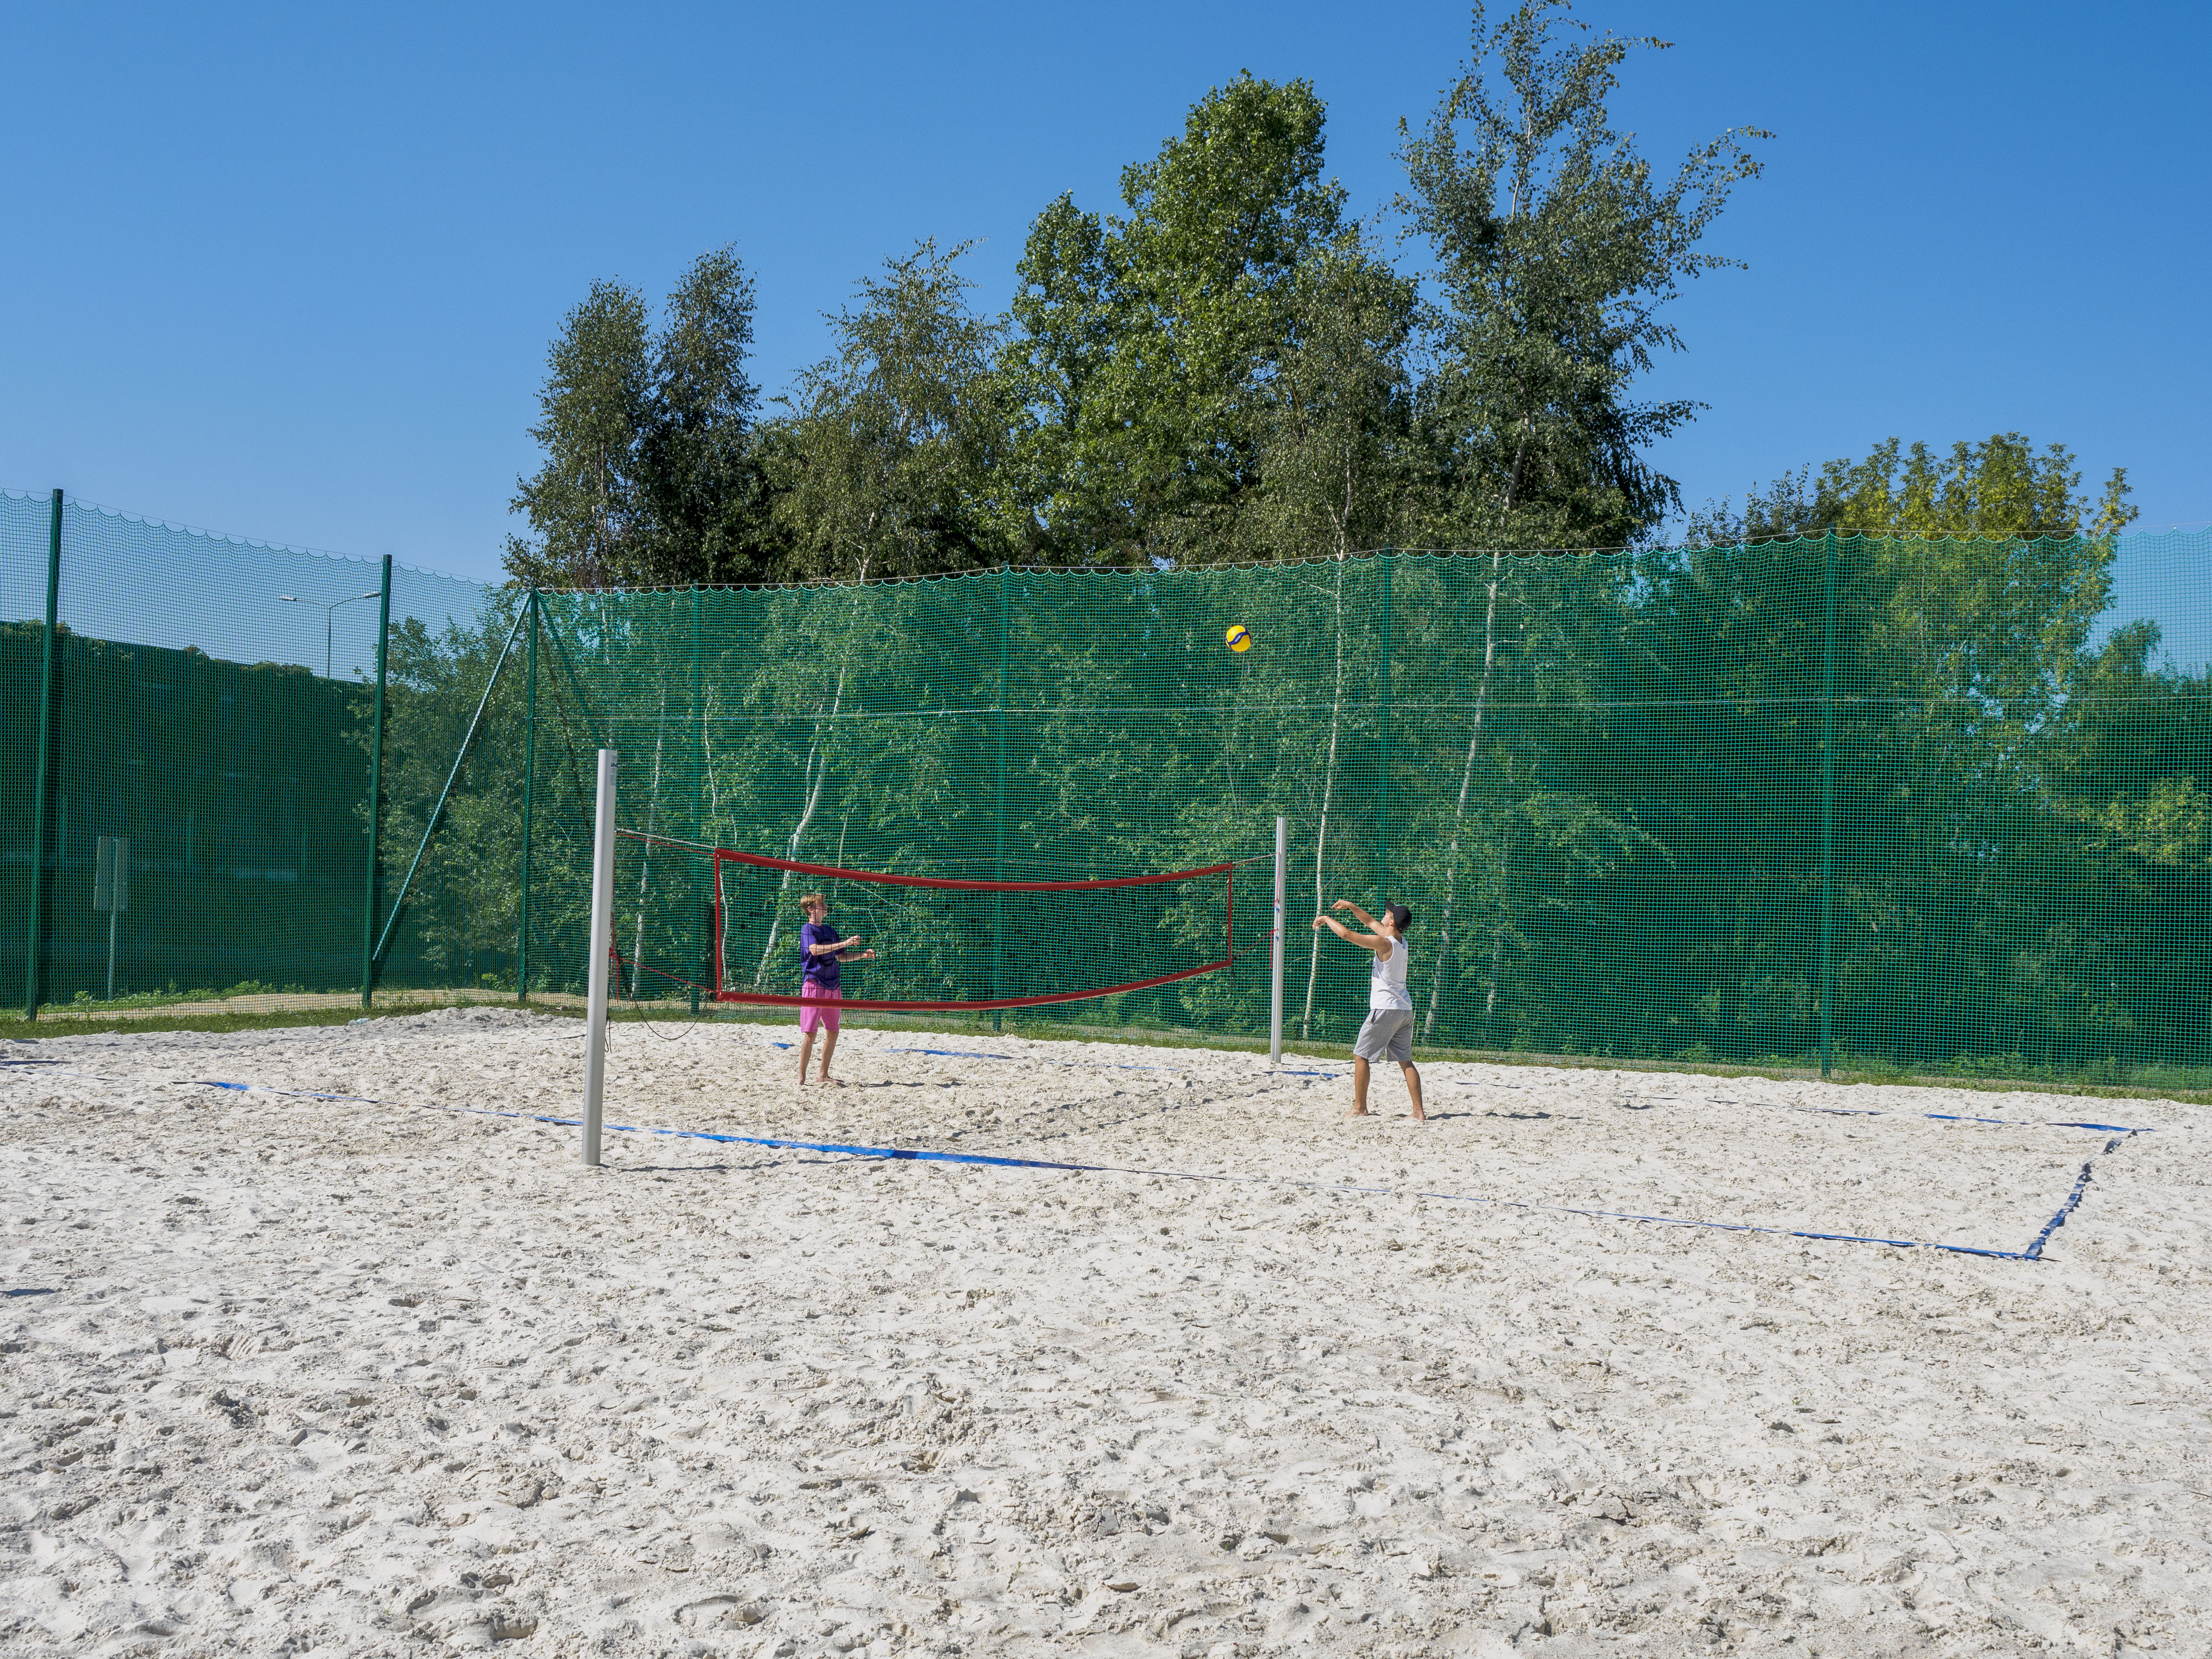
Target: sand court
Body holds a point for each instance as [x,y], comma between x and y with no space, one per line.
[402,1377]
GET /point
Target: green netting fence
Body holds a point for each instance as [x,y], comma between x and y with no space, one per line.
[1916,801]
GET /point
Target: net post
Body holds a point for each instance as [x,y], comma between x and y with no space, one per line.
[35,959]
[375,790]
[529,792]
[1828,812]
[1275,946]
[603,924]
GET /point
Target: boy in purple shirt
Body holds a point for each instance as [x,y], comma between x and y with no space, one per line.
[821,948]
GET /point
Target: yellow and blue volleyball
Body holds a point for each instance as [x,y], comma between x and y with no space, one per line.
[1239,639]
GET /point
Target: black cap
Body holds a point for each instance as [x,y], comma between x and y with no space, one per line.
[1401,917]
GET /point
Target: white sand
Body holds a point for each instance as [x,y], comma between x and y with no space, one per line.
[336,1378]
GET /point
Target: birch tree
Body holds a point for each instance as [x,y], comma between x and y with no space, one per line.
[886,464]
[650,477]
[1554,251]
[586,503]
[1332,466]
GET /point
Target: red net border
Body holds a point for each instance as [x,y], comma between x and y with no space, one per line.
[723,855]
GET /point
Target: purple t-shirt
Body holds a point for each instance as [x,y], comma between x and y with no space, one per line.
[822,970]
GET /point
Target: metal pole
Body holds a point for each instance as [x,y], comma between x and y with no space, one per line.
[603,927]
[1275,949]
[1828,816]
[112,919]
[698,752]
[529,800]
[999,857]
[33,988]
[375,788]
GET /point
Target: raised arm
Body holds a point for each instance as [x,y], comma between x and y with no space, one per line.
[1373,944]
[1365,920]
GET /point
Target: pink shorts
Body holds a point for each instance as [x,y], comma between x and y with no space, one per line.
[825,1017]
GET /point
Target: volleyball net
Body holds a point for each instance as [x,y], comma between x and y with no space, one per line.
[725,925]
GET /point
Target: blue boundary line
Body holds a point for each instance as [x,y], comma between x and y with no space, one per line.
[2032,1253]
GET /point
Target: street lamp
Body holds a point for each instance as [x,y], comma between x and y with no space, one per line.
[373,593]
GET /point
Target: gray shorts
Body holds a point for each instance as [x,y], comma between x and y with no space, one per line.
[1388,1035]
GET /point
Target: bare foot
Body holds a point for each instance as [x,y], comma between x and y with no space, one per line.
[1359,1111]
[831,1082]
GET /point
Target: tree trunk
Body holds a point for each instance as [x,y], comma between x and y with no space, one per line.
[1466,779]
[1328,791]
[812,776]
[645,859]
[1498,931]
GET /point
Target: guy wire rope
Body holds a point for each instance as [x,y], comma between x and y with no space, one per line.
[430,825]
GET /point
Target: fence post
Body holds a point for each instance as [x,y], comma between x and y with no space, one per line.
[698,760]
[1828,812]
[998,854]
[529,802]
[375,789]
[34,988]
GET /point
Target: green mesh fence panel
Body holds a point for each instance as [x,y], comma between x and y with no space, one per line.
[211,706]
[1627,797]
[24,521]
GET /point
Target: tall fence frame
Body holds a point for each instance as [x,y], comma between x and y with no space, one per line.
[1832,801]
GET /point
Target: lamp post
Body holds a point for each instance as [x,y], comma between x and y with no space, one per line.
[327,609]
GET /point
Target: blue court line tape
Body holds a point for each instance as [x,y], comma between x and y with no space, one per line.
[2032,1253]
[1871,1111]
[964,1054]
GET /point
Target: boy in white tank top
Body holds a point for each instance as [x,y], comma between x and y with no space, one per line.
[1388,1032]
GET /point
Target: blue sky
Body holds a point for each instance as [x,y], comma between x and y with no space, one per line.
[290,272]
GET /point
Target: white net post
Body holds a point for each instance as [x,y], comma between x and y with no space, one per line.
[603,927]
[1275,946]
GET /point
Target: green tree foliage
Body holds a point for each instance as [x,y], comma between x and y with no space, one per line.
[1336,464]
[1555,251]
[649,475]
[1144,345]
[1227,369]
[697,464]
[887,463]
[584,504]
[2001,486]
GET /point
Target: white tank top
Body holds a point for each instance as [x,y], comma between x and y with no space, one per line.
[1386,980]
